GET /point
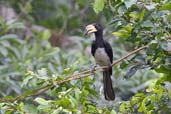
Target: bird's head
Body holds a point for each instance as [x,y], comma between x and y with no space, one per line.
[92,28]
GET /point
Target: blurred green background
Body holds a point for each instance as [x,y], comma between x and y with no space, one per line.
[41,42]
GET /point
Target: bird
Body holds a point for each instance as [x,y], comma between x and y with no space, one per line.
[102,52]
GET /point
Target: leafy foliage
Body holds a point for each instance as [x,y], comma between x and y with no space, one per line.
[31,69]
[147,23]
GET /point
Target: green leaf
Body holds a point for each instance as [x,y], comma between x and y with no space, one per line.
[46,34]
[42,72]
[11,37]
[28,7]
[123,65]
[8,36]
[134,15]
[169,94]
[166,45]
[64,102]
[132,70]
[21,106]
[142,107]
[124,32]
[5,43]
[113,112]
[166,6]
[129,3]
[41,101]
[26,80]
[139,95]
[120,34]
[98,6]
[9,111]
[16,26]
[147,24]
[15,51]
[123,107]
[3,51]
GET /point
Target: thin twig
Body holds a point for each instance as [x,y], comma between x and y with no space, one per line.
[82,74]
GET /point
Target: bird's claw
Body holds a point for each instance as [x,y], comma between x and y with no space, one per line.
[94,68]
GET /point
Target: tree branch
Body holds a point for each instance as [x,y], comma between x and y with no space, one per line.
[82,74]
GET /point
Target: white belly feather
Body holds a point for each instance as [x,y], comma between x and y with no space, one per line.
[101,57]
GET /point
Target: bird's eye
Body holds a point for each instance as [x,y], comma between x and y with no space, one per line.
[98,27]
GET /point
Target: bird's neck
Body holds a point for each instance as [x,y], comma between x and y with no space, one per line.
[99,37]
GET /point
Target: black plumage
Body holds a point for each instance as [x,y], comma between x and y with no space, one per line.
[103,54]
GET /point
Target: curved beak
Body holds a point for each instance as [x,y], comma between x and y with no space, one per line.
[85,32]
[89,29]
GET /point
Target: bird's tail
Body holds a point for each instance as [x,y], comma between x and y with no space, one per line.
[108,89]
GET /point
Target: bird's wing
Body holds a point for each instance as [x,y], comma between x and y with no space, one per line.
[108,50]
[93,48]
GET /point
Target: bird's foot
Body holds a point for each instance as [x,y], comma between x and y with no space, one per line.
[93,68]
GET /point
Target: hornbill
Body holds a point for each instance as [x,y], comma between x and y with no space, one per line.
[103,54]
